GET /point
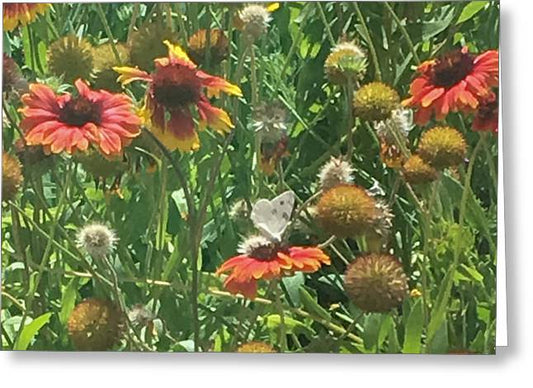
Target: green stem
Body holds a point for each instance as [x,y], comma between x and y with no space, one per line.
[107,29]
[404,32]
[279,306]
[349,90]
[326,25]
[371,47]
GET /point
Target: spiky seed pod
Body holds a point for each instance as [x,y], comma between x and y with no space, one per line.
[34,160]
[95,325]
[347,61]
[376,283]
[253,20]
[12,79]
[104,77]
[218,46]
[71,58]
[256,347]
[334,172]
[95,164]
[416,171]
[146,44]
[270,121]
[11,177]
[442,147]
[375,101]
[97,239]
[347,211]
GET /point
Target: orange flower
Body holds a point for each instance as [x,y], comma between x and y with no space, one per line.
[261,258]
[455,82]
[486,118]
[175,86]
[69,123]
[21,13]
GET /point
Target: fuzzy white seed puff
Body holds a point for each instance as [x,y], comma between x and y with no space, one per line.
[336,171]
[97,240]
[255,19]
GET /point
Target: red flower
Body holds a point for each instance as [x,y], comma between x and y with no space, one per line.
[455,82]
[263,259]
[486,118]
[67,122]
[175,86]
[21,13]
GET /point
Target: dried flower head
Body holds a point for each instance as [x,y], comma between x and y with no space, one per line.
[95,325]
[256,347]
[417,171]
[270,121]
[376,101]
[334,172]
[11,176]
[254,19]
[97,239]
[12,79]
[146,44]
[347,61]
[140,315]
[348,211]
[442,147]
[198,46]
[104,77]
[33,158]
[376,282]
[71,57]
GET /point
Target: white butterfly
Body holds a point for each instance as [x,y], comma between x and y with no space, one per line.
[272,217]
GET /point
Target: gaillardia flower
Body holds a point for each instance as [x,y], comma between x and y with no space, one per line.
[104,77]
[69,123]
[97,239]
[347,210]
[11,177]
[175,86]
[218,46]
[375,101]
[334,172]
[442,147]
[260,258]
[486,118]
[451,83]
[416,171]
[256,347]
[347,61]
[376,282]
[95,325]
[253,20]
[71,57]
[21,14]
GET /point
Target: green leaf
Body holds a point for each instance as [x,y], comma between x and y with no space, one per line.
[30,331]
[292,284]
[292,326]
[471,10]
[311,305]
[439,344]
[439,311]
[413,329]
[429,30]
[68,300]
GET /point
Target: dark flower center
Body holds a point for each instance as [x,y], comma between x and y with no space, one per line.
[79,111]
[452,68]
[176,95]
[267,252]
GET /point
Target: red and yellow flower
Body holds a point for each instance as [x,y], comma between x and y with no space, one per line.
[454,82]
[263,259]
[69,123]
[21,13]
[486,118]
[175,86]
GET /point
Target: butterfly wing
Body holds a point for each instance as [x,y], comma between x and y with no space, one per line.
[272,217]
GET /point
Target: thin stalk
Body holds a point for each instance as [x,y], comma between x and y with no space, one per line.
[349,90]
[326,25]
[133,21]
[371,47]
[404,32]
[108,32]
[279,307]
